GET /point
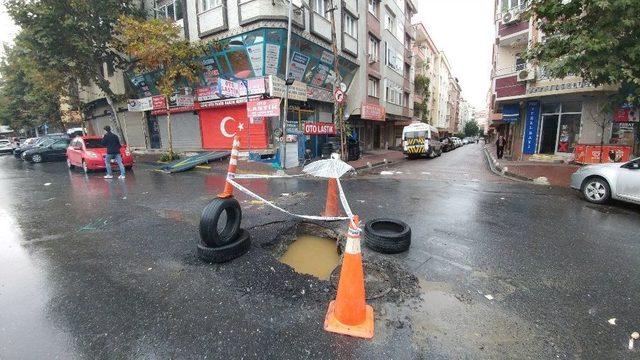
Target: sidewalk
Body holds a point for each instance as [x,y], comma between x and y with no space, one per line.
[556,174]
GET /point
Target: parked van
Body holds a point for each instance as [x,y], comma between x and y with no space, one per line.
[420,139]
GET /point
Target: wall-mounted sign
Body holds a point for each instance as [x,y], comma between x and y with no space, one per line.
[139,105]
[182,100]
[373,112]
[298,65]
[256,58]
[272,59]
[327,57]
[297,91]
[626,114]
[227,88]
[207,93]
[227,102]
[159,102]
[263,108]
[319,128]
[531,127]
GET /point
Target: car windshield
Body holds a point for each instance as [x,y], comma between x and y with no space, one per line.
[46,142]
[415,134]
[93,143]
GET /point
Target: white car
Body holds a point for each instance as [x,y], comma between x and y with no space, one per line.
[601,182]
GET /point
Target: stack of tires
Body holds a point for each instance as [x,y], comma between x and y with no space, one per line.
[387,236]
[222,242]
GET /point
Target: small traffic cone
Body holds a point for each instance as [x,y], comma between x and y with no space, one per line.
[231,172]
[349,314]
[332,205]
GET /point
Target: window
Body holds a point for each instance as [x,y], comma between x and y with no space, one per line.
[60,145]
[390,23]
[171,11]
[373,7]
[393,93]
[350,26]
[514,4]
[406,99]
[210,4]
[373,88]
[393,59]
[374,49]
[321,8]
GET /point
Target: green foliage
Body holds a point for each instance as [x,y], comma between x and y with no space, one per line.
[169,156]
[471,128]
[156,44]
[598,40]
[421,109]
[28,95]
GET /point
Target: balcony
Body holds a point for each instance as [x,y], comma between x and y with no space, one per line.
[421,57]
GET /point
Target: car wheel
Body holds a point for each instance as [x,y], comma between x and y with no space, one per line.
[596,190]
[69,164]
[210,233]
[228,252]
[36,158]
[84,167]
[387,236]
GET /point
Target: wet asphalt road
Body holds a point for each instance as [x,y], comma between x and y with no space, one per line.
[92,269]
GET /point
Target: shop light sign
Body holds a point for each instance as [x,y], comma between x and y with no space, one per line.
[319,128]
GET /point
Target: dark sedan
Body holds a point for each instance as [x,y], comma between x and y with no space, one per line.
[41,141]
[55,150]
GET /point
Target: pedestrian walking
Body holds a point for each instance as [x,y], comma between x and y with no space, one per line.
[500,143]
[112,143]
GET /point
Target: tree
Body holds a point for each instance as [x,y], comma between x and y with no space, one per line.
[598,40]
[156,45]
[471,128]
[29,97]
[73,38]
[421,109]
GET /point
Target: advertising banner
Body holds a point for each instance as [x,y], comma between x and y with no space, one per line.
[531,127]
[590,154]
[373,112]
[298,65]
[159,103]
[297,91]
[207,93]
[263,108]
[139,105]
[626,114]
[256,58]
[318,128]
[227,88]
[272,59]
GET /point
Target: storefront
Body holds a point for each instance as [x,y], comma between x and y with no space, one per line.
[221,124]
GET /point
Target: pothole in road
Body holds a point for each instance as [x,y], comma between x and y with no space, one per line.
[310,249]
[376,282]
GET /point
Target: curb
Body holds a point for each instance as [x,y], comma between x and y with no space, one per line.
[499,170]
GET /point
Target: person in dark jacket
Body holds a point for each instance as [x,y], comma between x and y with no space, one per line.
[500,144]
[112,143]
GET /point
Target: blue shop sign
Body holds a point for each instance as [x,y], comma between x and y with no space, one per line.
[531,127]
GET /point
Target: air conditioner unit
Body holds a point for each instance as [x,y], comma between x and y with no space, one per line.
[510,17]
[527,74]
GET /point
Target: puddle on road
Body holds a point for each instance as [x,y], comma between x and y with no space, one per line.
[312,255]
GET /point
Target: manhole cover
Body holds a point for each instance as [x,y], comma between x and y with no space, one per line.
[376,283]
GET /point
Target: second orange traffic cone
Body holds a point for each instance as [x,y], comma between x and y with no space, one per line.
[349,314]
[332,205]
[231,172]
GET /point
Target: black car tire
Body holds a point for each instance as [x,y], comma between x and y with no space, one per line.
[387,236]
[209,222]
[596,184]
[228,252]
[36,158]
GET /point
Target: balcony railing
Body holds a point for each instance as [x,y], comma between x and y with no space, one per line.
[510,70]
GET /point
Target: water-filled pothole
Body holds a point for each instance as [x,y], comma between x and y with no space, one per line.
[313,250]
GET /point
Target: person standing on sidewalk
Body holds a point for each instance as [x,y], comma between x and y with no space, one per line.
[112,143]
[500,144]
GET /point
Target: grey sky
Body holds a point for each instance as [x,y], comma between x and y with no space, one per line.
[464,30]
[8,30]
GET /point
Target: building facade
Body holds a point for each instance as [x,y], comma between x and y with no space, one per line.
[425,54]
[466,113]
[542,115]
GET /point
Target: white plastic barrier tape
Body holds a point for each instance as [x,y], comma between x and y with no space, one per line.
[343,200]
[308,217]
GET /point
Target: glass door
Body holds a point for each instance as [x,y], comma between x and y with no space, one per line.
[549,134]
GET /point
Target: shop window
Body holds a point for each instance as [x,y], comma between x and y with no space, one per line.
[568,133]
[551,108]
[240,65]
[222,63]
[572,107]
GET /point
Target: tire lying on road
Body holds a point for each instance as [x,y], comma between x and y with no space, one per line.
[210,218]
[387,236]
[228,252]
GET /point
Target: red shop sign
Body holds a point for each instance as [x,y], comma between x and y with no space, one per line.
[263,108]
[373,112]
[159,102]
[319,128]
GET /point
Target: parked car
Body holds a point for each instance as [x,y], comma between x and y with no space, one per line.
[39,141]
[447,144]
[601,182]
[456,142]
[88,153]
[420,139]
[54,150]
[6,147]
[465,141]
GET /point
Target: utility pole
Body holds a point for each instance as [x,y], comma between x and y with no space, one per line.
[283,143]
[339,108]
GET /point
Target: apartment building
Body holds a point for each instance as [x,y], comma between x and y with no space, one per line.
[453,105]
[466,113]
[381,100]
[542,115]
[442,93]
[482,118]
[425,54]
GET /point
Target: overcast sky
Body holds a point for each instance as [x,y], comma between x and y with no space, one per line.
[8,29]
[464,30]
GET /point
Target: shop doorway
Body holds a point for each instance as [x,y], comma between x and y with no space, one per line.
[376,136]
[549,134]
[154,132]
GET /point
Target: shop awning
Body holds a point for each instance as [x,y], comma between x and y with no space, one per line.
[510,112]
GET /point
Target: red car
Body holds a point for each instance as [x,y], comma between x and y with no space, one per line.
[88,153]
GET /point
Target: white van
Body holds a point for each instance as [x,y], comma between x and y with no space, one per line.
[420,139]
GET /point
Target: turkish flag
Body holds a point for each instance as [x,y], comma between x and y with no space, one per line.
[220,125]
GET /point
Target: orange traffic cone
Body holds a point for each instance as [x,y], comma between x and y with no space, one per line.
[332,205]
[349,314]
[231,172]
